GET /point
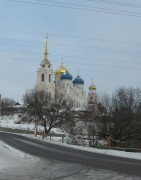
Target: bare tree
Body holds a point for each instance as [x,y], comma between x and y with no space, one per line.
[89,118]
[119,120]
[51,112]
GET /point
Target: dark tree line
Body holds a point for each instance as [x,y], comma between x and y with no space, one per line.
[6,106]
[120,118]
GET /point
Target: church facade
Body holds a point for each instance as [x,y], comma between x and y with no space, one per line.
[61,80]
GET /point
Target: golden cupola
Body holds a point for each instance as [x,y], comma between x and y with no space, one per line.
[92,86]
[61,70]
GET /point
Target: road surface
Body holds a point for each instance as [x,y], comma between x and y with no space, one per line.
[48,151]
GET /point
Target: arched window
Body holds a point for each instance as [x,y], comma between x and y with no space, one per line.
[42,77]
[49,77]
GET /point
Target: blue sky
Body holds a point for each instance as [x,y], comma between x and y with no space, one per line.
[105,46]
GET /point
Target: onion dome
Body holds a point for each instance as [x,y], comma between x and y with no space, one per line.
[61,70]
[78,80]
[92,86]
[66,76]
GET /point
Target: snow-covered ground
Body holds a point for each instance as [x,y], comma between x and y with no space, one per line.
[8,121]
[12,158]
[15,164]
[11,122]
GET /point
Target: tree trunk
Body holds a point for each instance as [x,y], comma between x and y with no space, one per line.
[93,138]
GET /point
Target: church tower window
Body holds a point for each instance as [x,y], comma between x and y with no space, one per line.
[49,78]
[42,78]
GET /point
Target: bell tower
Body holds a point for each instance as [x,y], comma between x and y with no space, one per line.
[45,74]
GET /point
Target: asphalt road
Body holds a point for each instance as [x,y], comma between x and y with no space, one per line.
[60,153]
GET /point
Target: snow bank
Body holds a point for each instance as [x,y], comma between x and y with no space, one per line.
[10,157]
[131,155]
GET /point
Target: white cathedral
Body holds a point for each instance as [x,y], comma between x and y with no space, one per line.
[62,81]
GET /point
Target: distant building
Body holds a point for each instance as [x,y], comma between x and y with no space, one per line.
[62,80]
[92,97]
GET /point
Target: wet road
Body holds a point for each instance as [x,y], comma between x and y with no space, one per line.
[75,160]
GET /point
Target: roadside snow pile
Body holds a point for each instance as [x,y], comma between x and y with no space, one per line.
[131,155]
[10,157]
[4,148]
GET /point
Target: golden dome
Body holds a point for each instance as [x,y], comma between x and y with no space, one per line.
[61,70]
[92,86]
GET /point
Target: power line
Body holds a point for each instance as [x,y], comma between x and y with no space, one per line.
[117,3]
[97,48]
[17,51]
[60,45]
[87,48]
[80,7]
[101,1]
[111,66]
[74,37]
[74,63]
[75,57]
